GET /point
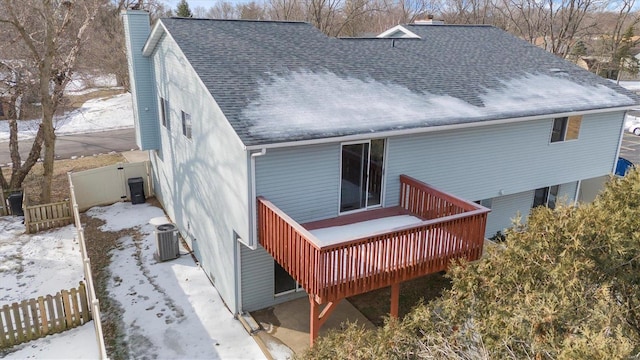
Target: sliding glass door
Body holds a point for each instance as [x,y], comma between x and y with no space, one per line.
[361,175]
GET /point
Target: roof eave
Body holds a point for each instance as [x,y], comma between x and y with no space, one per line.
[422,130]
[408,33]
[154,37]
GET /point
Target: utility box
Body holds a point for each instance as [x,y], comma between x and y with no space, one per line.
[136,188]
[167,244]
[15,203]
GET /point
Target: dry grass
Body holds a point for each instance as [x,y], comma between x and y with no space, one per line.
[73,102]
[33,182]
[375,305]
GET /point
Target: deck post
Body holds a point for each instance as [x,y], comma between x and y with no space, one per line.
[314,323]
[395,300]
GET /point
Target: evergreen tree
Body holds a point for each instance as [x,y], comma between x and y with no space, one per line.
[183,9]
[624,58]
[565,286]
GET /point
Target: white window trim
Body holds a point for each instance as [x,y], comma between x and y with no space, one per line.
[564,132]
[184,125]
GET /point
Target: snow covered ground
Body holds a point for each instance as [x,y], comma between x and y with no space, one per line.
[95,115]
[171,310]
[39,265]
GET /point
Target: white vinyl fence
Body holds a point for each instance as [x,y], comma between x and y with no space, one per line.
[108,184]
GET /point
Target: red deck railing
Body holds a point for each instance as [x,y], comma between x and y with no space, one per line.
[451,228]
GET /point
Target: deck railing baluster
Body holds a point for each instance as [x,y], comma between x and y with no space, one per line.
[451,228]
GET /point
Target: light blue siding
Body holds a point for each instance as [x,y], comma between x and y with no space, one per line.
[504,162]
[202,182]
[504,209]
[301,181]
[137,28]
[485,162]
[258,281]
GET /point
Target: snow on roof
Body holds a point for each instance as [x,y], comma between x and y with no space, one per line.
[300,104]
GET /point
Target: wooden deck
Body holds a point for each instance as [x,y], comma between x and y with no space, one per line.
[451,228]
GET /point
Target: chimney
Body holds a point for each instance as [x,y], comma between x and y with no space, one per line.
[428,21]
[145,113]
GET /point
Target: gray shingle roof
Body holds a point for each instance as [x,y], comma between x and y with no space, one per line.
[286,81]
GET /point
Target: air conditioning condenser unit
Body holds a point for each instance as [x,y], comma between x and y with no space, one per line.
[167,243]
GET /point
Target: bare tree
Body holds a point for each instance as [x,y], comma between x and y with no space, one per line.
[412,10]
[286,10]
[17,85]
[223,10]
[53,34]
[619,40]
[252,11]
[552,24]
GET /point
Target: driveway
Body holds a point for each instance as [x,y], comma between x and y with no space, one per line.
[80,144]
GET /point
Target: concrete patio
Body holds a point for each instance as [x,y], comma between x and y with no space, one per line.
[288,323]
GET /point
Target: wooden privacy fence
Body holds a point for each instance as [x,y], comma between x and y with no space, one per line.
[46,216]
[35,318]
[5,209]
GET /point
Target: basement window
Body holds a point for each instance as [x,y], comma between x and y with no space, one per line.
[546,196]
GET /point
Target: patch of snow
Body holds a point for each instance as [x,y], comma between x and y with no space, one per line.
[337,234]
[82,83]
[33,265]
[171,310]
[279,351]
[316,104]
[39,264]
[95,115]
[77,343]
[630,85]
[122,215]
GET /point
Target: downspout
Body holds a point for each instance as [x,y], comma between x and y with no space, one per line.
[253,224]
[575,197]
[252,200]
[615,160]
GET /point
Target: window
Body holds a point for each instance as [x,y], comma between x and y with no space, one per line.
[164,113]
[565,128]
[546,196]
[485,202]
[361,175]
[186,125]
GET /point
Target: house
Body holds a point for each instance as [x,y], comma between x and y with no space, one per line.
[300,165]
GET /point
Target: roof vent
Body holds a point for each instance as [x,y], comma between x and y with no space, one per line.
[557,71]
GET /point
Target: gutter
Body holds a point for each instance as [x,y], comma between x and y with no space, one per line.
[390,133]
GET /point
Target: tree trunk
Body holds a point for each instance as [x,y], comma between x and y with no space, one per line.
[49,151]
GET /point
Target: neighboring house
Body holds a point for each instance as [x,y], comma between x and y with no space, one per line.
[257,127]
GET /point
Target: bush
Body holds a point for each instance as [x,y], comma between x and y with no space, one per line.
[566,286]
